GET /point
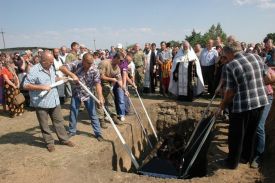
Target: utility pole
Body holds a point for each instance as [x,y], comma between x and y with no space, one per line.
[3,37]
[94,45]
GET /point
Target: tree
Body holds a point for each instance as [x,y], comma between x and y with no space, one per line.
[194,38]
[174,43]
[271,36]
[220,33]
[212,33]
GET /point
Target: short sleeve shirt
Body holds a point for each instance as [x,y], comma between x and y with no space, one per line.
[71,57]
[244,75]
[89,78]
[164,55]
[123,65]
[208,58]
[39,76]
[106,68]
[138,59]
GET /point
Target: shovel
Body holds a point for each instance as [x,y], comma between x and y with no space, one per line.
[126,147]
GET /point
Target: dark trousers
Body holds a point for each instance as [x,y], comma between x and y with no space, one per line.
[57,120]
[241,136]
[152,81]
[208,77]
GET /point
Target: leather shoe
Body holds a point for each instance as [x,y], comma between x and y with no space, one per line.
[116,120]
[68,143]
[103,124]
[51,148]
[100,138]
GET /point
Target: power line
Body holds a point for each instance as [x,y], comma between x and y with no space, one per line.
[3,37]
[94,45]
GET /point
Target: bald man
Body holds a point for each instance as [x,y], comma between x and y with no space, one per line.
[40,77]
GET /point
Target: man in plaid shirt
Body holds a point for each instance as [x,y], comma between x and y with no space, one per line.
[245,92]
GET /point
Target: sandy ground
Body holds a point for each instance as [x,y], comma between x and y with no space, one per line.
[24,158]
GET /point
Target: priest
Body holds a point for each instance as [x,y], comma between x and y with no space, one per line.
[186,79]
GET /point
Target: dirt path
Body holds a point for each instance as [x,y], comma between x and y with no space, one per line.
[24,158]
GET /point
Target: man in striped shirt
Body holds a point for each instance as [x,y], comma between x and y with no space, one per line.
[39,79]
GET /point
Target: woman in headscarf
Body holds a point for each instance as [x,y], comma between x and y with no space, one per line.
[186,79]
[11,89]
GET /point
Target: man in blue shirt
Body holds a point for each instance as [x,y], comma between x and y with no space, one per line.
[39,79]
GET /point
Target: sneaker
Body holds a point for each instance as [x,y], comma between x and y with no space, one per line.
[51,148]
[116,120]
[100,138]
[68,143]
[122,118]
[255,163]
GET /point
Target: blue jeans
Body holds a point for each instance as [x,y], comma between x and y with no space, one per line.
[90,106]
[260,139]
[119,100]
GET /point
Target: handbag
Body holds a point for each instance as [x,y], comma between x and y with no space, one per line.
[19,99]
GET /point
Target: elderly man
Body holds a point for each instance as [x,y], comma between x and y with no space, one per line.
[58,62]
[68,89]
[85,72]
[83,50]
[207,59]
[245,92]
[197,49]
[40,78]
[63,53]
[186,81]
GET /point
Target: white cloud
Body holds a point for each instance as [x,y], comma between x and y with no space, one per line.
[265,4]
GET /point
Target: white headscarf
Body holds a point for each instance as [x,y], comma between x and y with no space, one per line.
[186,56]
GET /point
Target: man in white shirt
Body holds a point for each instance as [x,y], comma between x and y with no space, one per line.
[63,53]
[83,50]
[207,59]
[58,62]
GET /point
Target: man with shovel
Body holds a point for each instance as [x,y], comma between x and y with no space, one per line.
[86,72]
[39,79]
[110,75]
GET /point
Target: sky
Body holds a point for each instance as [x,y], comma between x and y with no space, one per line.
[53,23]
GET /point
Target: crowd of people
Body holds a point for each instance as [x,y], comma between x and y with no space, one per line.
[241,74]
